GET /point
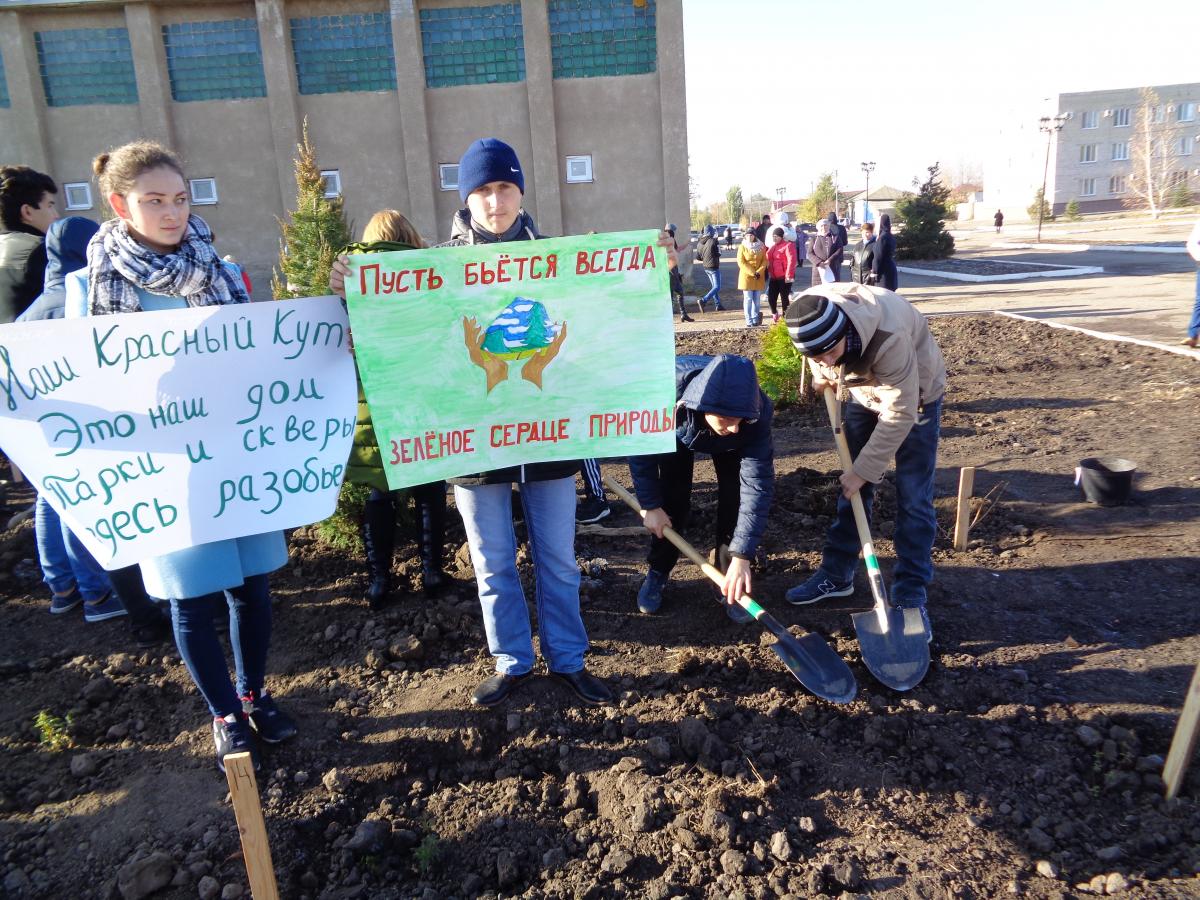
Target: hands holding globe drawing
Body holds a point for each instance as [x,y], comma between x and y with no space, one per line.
[496,367]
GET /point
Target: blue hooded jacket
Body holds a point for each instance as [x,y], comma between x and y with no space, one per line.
[66,251]
[724,385]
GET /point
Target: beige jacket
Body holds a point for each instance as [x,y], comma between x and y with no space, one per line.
[900,368]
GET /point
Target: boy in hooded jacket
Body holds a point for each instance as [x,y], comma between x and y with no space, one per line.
[721,411]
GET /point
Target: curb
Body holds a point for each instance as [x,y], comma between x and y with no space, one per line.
[1103,335]
[1078,248]
[1052,272]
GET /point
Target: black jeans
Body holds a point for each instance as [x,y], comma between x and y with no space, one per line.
[778,288]
[675,476]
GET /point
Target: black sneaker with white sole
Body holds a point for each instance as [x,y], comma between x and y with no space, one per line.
[232,735]
[591,510]
[270,722]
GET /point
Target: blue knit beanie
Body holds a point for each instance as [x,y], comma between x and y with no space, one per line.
[487,160]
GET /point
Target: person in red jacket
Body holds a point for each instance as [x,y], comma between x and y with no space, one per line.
[781,270]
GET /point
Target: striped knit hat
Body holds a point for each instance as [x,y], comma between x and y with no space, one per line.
[815,324]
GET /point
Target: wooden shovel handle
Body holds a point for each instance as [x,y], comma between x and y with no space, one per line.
[839,438]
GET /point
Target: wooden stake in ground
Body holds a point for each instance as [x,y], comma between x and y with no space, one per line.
[252,830]
[1183,745]
[962,522]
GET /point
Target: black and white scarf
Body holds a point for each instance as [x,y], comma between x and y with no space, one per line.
[118,264]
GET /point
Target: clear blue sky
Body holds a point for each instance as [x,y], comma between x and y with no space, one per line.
[779,91]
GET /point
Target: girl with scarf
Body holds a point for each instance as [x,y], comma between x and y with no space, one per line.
[155,255]
[752,276]
[820,253]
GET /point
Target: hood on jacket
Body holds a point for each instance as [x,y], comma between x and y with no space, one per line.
[66,249]
[724,385]
[523,229]
[832,218]
[885,224]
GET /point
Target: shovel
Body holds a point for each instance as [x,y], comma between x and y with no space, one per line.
[807,657]
[892,640]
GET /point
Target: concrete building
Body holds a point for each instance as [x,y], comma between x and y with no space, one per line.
[1088,160]
[589,92]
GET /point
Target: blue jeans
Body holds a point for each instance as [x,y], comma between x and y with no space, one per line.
[714,292]
[550,521]
[66,563]
[249,634]
[916,523]
[750,307]
[1194,325]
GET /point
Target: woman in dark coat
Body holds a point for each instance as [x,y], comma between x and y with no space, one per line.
[820,250]
[884,264]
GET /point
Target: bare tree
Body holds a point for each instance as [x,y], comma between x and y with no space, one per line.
[1152,147]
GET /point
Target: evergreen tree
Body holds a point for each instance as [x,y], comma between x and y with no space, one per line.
[924,235]
[1072,210]
[1039,201]
[314,236]
[1180,196]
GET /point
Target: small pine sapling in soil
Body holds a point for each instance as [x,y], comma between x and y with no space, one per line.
[780,367]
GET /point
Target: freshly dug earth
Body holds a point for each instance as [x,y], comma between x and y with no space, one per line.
[1028,761]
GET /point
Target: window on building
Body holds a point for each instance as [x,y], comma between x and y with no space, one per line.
[1121,117]
[1116,184]
[4,100]
[1186,111]
[448,176]
[77,194]
[214,60]
[1158,114]
[337,54]
[203,191]
[1120,150]
[1183,147]
[1087,153]
[1175,179]
[86,66]
[333,183]
[1091,119]
[473,45]
[579,169]
[1087,187]
[602,37]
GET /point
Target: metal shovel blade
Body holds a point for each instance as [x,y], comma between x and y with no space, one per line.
[899,655]
[816,666]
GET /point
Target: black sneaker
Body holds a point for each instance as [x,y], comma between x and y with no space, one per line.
[592,509]
[152,633]
[271,723]
[232,735]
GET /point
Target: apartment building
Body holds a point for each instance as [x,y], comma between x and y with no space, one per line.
[589,92]
[1085,148]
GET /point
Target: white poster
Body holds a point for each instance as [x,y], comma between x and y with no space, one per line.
[155,431]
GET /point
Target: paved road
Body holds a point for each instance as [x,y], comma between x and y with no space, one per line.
[1148,296]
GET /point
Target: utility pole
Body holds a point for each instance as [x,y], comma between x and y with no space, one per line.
[1051,126]
[868,168]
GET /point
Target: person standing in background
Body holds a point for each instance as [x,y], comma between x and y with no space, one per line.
[708,254]
[781,269]
[998,218]
[1193,249]
[839,238]
[884,263]
[752,276]
[863,255]
[28,207]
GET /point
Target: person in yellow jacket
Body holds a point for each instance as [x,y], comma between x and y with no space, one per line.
[752,276]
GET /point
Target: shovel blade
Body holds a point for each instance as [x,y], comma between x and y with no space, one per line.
[816,666]
[897,655]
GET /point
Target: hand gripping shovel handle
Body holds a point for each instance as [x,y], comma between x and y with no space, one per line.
[874,575]
[808,658]
[686,549]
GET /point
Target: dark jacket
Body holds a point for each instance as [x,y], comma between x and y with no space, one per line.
[884,263]
[861,260]
[524,229]
[760,231]
[22,269]
[66,251]
[841,237]
[708,252]
[726,386]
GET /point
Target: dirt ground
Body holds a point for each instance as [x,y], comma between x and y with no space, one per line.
[1027,763]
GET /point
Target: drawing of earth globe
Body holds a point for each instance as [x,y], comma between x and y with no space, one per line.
[520,329]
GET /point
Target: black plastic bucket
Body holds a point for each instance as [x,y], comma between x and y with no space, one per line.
[1107,480]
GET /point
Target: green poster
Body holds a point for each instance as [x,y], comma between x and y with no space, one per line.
[493,355]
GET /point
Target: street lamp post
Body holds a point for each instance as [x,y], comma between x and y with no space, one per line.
[1051,127]
[868,168]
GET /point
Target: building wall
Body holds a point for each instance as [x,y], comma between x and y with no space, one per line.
[386,144]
